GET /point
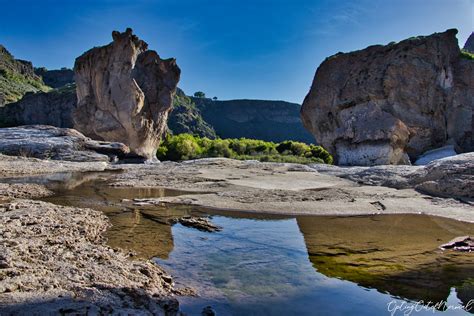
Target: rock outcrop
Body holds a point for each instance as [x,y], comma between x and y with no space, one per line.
[17,77]
[48,142]
[448,177]
[56,78]
[389,104]
[187,118]
[124,93]
[469,45]
[43,108]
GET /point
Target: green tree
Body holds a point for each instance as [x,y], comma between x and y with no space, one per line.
[199,94]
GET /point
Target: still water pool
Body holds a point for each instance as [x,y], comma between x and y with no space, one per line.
[278,265]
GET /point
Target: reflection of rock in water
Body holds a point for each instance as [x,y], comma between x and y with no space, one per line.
[465,293]
[396,254]
[144,236]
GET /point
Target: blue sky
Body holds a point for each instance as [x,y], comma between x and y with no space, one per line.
[258,49]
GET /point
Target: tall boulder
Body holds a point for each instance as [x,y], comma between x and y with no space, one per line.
[389,104]
[124,93]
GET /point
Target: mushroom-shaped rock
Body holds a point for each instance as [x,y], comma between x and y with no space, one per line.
[390,104]
[124,93]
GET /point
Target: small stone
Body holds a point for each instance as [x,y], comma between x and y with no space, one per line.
[208,311]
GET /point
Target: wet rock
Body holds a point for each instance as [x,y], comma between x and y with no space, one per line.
[48,142]
[208,311]
[124,93]
[385,104]
[463,243]
[200,223]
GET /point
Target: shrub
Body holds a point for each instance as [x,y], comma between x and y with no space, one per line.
[179,147]
[467,55]
[219,148]
[187,146]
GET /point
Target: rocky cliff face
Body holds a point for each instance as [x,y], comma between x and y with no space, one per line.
[124,93]
[56,78]
[44,108]
[17,78]
[187,118]
[386,104]
[261,119]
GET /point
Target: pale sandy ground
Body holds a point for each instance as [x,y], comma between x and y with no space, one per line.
[289,189]
[285,189]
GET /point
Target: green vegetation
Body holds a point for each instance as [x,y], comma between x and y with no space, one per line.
[14,85]
[186,118]
[467,55]
[17,78]
[199,94]
[186,146]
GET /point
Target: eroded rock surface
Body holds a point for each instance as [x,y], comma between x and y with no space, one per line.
[124,93]
[48,142]
[448,177]
[386,104]
[54,259]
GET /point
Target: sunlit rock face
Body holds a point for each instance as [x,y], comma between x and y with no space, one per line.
[389,104]
[124,93]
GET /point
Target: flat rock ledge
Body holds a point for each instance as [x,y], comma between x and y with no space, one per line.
[54,260]
[48,142]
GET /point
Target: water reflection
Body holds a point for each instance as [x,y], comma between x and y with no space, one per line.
[145,231]
[397,254]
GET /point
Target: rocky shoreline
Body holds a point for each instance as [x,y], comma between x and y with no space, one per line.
[68,264]
[54,259]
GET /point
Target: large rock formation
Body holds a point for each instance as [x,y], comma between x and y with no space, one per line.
[48,142]
[124,93]
[386,104]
